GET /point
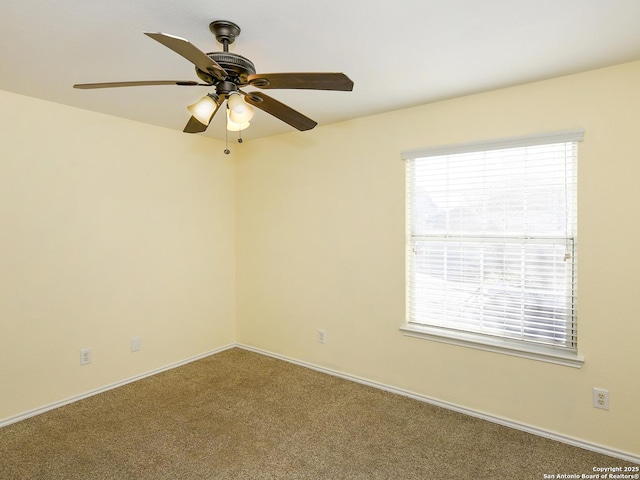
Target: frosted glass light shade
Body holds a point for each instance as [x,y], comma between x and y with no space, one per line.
[203,109]
[233,126]
[239,111]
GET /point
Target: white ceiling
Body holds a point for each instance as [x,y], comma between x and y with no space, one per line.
[399,53]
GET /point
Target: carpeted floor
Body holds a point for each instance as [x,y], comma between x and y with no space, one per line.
[241,415]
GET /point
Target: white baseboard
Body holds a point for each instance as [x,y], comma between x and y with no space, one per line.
[75,398]
[406,393]
[629,457]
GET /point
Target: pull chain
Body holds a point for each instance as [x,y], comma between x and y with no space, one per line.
[226,136]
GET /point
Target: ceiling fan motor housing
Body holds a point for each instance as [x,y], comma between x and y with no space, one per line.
[237,67]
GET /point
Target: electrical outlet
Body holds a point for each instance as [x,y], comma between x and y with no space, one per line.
[601,398]
[135,344]
[321,336]
[85,356]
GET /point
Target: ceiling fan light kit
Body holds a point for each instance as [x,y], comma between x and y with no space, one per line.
[227,72]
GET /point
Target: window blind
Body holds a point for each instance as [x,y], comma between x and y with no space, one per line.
[492,237]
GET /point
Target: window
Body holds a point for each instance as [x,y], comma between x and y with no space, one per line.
[491,245]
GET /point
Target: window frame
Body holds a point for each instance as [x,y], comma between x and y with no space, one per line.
[519,348]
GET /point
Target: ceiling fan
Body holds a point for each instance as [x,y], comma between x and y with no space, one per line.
[227,72]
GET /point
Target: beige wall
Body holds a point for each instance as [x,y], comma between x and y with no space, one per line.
[112,229]
[109,229]
[320,244]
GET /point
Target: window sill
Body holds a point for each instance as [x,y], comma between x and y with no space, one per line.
[496,345]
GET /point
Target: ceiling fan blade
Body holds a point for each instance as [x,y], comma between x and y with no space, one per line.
[190,52]
[280,110]
[308,81]
[195,126]
[183,83]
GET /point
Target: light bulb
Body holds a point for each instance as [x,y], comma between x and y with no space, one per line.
[203,109]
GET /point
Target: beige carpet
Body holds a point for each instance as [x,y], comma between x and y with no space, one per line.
[238,415]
